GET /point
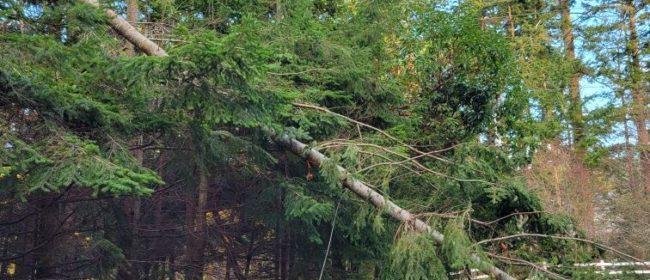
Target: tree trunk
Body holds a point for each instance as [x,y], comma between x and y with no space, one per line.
[639,109]
[49,224]
[231,258]
[4,243]
[197,230]
[129,228]
[277,260]
[302,150]
[291,255]
[132,17]
[577,121]
[31,239]
[284,252]
[575,108]
[249,254]
[133,203]
[279,13]
[511,23]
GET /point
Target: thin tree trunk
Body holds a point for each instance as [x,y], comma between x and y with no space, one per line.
[132,17]
[190,209]
[31,227]
[3,265]
[133,203]
[49,225]
[639,113]
[136,204]
[283,242]
[549,116]
[575,107]
[129,229]
[629,153]
[279,13]
[292,254]
[277,261]
[577,121]
[302,150]
[284,252]
[511,23]
[197,230]
[249,254]
[231,258]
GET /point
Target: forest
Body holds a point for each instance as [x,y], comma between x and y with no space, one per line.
[324,139]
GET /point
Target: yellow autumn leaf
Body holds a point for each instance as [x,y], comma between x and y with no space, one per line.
[11,269]
[209,218]
[225,214]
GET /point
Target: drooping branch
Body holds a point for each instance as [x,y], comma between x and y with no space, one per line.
[537,235]
[378,200]
[301,149]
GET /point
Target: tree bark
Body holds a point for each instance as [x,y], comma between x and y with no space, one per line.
[129,32]
[355,185]
[132,17]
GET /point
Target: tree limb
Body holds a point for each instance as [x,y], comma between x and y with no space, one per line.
[129,32]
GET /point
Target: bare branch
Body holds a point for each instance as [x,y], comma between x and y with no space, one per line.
[600,245]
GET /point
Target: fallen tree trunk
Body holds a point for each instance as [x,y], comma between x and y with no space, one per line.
[129,32]
[301,149]
[378,200]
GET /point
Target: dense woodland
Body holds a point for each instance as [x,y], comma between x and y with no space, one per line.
[323,139]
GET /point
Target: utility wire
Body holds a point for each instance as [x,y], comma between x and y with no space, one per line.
[329,243]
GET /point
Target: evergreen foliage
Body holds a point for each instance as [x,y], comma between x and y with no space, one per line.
[156,167]
[414,257]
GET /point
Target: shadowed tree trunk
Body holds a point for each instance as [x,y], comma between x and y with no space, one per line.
[50,223]
[197,228]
